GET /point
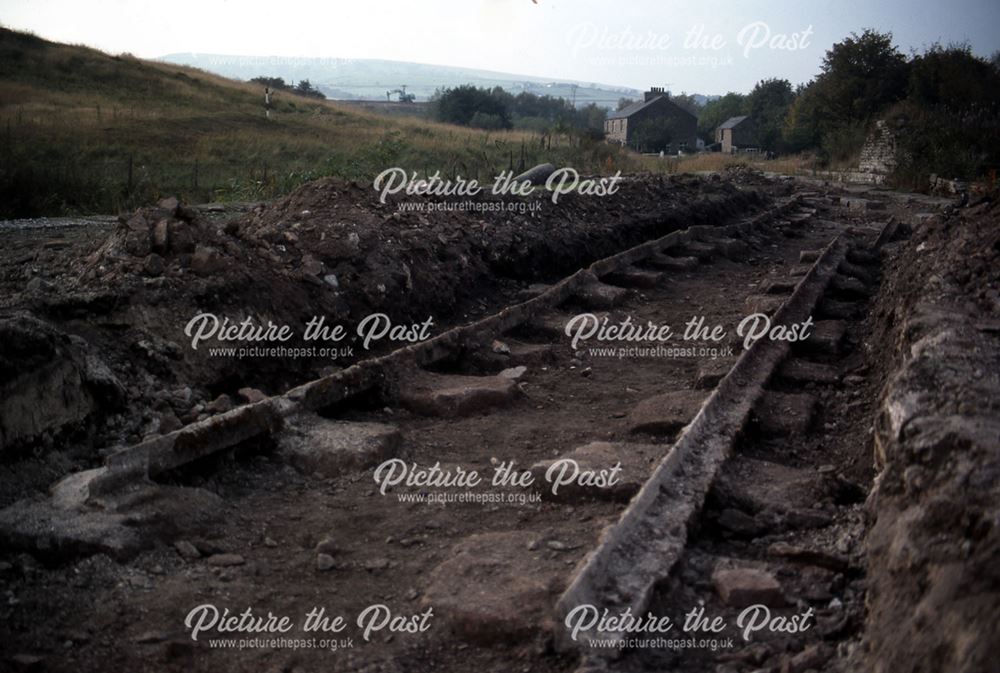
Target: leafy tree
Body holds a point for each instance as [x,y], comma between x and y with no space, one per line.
[952,77]
[768,105]
[687,102]
[271,82]
[305,88]
[860,77]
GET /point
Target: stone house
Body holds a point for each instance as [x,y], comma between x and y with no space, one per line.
[736,134]
[654,124]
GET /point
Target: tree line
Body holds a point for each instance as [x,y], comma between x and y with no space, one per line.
[497,108]
[946,99]
[303,88]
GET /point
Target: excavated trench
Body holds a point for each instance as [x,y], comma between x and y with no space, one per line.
[797,518]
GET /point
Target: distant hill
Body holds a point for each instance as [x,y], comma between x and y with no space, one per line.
[369,79]
[90,132]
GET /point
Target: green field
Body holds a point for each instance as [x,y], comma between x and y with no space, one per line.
[87,132]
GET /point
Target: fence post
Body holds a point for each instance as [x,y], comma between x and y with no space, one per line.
[129,184]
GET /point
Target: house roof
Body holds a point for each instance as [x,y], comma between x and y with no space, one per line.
[630,110]
[733,122]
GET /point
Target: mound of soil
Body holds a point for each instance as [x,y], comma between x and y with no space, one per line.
[933,576]
[330,249]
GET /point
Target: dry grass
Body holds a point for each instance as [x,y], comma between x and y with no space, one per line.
[80,122]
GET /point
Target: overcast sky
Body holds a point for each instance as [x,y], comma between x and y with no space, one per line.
[634,43]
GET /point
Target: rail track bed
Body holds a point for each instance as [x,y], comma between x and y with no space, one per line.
[709,475]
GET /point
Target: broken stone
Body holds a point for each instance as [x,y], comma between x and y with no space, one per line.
[251,395]
[667,413]
[809,256]
[205,261]
[741,587]
[732,248]
[799,270]
[153,265]
[187,550]
[327,546]
[328,448]
[161,236]
[598,295]
[490,591]
[513,373]
[170,204]
[452,395]
[590,462]
[324,562]
[220,404]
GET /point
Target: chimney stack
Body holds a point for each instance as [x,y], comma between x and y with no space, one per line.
[654,92]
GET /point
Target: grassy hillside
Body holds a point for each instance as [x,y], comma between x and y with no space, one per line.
[83,131]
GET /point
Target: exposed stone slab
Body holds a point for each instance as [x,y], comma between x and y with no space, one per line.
[743,587]
[450,395]
[506,352]
[492,589]
[779,287]
[601,296]
[704,252]
[668,263]
[732,248]
[710,372]
[797,270]
[632,277]
[826,336]
[848,287]
[756,486]
[667,413]
[798,370]
[764,303]
[857,271]
[597,459]
[73,523]
[315,445]
[785,413]
[553,325]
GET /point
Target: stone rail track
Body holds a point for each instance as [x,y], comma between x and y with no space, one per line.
[674,445]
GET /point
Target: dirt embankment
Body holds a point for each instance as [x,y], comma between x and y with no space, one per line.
[934,581]
[108,313]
